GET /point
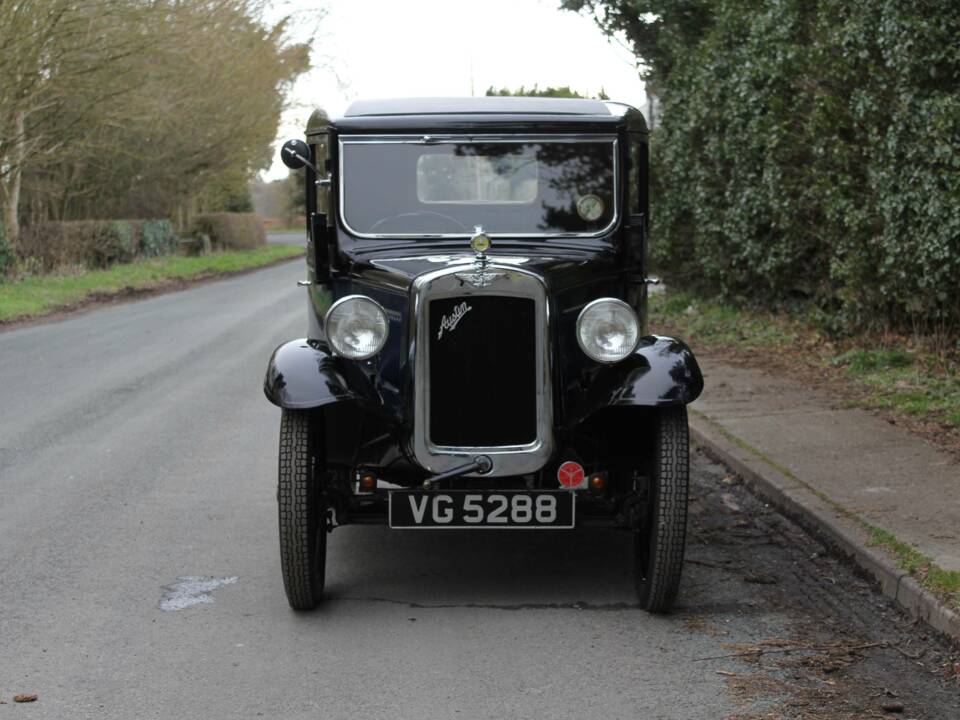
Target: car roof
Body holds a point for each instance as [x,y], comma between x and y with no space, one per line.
[483,114]
[477,105]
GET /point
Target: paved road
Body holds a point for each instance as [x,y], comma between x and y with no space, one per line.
[136,449]
[287,238]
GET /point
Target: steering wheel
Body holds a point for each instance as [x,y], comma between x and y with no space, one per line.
[381,221]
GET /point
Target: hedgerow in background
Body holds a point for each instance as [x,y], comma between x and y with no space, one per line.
[806,151]
[94,243]
[230,231]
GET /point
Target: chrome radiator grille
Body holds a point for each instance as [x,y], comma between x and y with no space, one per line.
[487,358]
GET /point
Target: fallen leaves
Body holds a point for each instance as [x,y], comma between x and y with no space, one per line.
[24,698]
[769,647]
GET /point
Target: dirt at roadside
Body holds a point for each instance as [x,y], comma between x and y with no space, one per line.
[807,638]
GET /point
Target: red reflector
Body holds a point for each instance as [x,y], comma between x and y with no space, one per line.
[570,474]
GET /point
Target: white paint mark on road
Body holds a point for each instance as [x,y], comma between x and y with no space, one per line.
[191,590]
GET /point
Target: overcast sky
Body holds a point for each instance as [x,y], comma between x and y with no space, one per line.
[415,48]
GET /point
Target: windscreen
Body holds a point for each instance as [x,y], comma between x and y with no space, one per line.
[449,187]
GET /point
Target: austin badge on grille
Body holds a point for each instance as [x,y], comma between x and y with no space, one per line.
[450,322]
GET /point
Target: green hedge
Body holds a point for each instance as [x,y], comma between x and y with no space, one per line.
[811,150]
[94,243]
[157,237]
[230,231]
[806,151]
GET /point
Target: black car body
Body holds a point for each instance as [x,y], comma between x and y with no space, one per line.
[477,262]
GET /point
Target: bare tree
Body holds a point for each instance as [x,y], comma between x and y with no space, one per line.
[135,107]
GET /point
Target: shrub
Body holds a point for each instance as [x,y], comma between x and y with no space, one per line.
[109,243]
[230,231]
[157,237]
[56,244]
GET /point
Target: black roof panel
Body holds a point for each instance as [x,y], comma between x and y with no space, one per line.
[477,106]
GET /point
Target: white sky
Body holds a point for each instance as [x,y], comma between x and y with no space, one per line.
[415,48]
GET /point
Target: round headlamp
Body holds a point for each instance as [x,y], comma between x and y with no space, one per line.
[608,330]
[356,327]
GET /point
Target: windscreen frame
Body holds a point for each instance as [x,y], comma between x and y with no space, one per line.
[464,138]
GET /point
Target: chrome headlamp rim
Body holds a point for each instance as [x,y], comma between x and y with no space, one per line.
[603,300]
[362,298]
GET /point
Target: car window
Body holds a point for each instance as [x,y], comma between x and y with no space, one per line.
[450,186]
[471,178]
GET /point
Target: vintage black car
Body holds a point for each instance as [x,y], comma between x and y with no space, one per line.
[476,352]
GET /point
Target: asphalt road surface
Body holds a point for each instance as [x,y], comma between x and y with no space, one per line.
[287,238]
[140,578]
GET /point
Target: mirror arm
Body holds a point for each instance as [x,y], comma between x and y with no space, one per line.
[302,159]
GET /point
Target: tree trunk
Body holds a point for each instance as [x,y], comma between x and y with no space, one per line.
[13,181]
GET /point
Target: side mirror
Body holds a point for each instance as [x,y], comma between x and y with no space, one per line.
[295,154]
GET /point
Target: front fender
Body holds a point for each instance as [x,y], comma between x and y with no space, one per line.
[303,374]
[661,371]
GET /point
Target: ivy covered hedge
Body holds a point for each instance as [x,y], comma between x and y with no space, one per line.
[807,150]
[48,246]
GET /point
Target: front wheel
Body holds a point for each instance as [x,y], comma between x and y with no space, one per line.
[303,527]
[660,537]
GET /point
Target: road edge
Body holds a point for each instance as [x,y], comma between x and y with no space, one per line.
[826,520]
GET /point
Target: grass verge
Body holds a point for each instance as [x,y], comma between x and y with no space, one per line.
[44,294]
[943,583]
[893,373]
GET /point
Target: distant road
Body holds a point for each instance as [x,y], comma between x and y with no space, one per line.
[137,449]
[287,238]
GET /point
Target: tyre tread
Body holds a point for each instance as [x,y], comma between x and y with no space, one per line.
[294,496]
[670,517]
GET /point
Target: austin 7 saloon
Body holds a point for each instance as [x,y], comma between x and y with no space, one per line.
[476,352]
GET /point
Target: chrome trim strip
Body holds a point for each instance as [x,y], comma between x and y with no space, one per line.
[507,459]
[446,139]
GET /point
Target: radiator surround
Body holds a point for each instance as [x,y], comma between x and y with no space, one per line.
[460,281]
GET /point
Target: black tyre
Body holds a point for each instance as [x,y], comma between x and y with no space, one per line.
[303,527]
[662,532]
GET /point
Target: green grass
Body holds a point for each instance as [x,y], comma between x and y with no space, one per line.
[944,583]
[898,378]
[718,323]
[44,294]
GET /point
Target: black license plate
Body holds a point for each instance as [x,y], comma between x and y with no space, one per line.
[437,510]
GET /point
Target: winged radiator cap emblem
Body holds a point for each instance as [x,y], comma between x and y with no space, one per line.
[480,276]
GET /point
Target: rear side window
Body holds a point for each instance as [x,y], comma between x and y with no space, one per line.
[472,179]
